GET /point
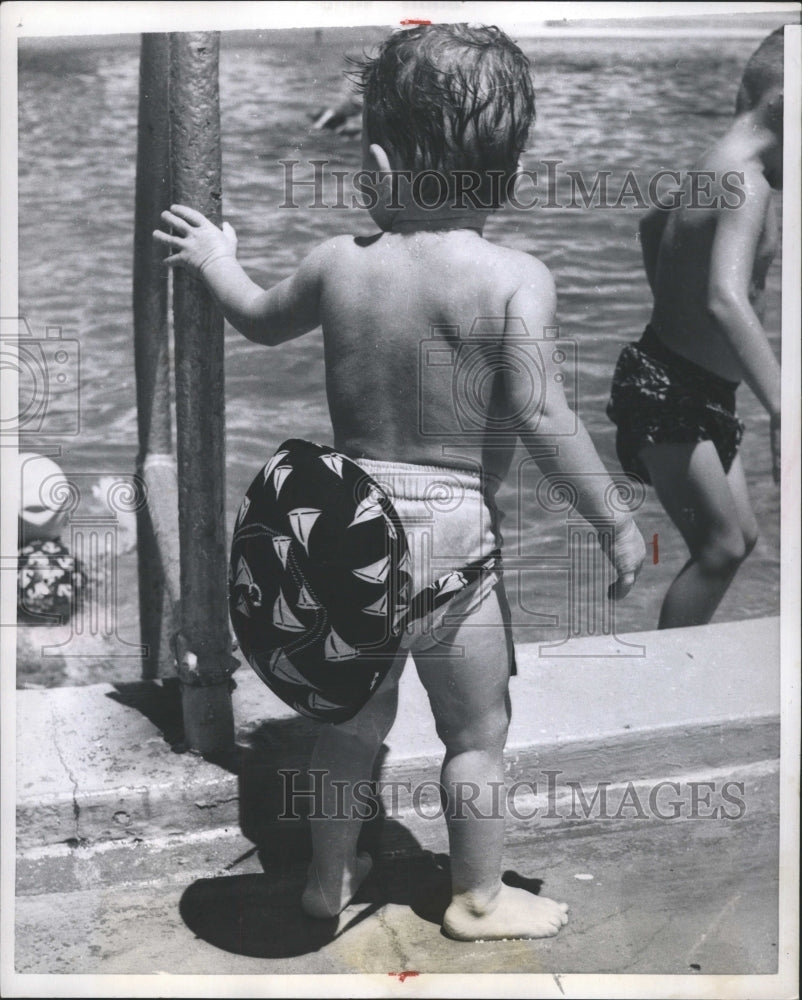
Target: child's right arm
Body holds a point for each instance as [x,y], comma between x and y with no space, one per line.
[270,317]
[732,261]
[551,421]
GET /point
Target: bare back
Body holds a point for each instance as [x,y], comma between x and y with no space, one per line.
[393,309]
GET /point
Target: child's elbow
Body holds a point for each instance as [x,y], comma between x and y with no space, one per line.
[553,419]
[722,301]
[258,334]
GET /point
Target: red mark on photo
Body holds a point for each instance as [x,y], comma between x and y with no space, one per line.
[655,550]
[407,22]
[401,976]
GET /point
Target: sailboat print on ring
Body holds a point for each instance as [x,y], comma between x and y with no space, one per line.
[302,520]
[336,648]
[378,607]
[333,462]
[281,546]
[283,617]
[369,508]
[374,573]
[280,476]
[277,459]
[306,601]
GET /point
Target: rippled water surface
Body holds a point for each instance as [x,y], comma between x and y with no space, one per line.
[617,105]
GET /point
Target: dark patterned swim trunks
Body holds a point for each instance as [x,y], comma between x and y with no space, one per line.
[660,397]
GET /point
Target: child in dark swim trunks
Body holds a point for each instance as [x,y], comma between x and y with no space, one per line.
[445,98]
[673,394]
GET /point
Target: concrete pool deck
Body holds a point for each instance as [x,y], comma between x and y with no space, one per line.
[134,858]
[99,764]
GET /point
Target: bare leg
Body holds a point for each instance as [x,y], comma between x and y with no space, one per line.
[346,753]
[470,699]
[712,511]
[736,479]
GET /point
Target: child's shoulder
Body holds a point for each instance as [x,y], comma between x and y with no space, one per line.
[521,270]
[736,172]
[325,259]
[336,251]
[509,269]
[330,250]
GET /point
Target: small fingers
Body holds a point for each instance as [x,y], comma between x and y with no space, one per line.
[168,239]
[621,587]
[187,215]
[230,234]
[175,222]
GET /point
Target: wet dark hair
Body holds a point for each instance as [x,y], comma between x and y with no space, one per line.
[451,97]
[763,71]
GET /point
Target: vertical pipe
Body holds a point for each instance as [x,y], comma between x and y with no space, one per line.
[151,342]
[195,159]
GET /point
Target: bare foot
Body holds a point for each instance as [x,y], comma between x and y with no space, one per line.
[514,913]
[325,900]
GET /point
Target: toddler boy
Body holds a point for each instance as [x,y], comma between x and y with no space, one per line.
[447,111]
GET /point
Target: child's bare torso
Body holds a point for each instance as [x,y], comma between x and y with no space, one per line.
[681,314]
[393,307]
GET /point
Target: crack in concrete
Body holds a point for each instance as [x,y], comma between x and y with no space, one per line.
[577,929]
[214,803]
[395,940]
[76,809]
[642,948]
[715,923]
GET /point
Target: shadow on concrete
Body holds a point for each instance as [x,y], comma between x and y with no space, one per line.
[517,881]
[260,916]
[272,745]
[159,702]
[246,915]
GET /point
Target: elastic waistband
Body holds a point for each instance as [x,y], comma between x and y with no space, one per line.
[654,347]
[408,481]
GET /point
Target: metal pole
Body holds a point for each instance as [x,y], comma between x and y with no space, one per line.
[205,661]
[151,357]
